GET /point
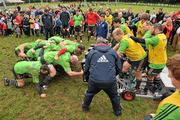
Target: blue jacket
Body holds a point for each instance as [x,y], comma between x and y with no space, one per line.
[102,29]
[102,65]
[47,21]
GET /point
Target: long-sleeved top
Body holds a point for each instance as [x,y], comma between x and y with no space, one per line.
[102,29]
[92,18]
[167,30]
[102,64]
[65,17]
[47,21]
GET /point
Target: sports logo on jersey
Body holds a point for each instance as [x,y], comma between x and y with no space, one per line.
[102,59]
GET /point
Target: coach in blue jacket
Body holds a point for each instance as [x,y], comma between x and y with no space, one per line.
[101,67]
[102,29]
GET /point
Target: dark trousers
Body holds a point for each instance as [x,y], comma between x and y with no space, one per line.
[21,29]
[65,31]
[71,30]
[57,30]
[37,32]
[9,31]
[26,31]
[48,31]
[32,31]
[91,30]
[41,29]
[85,27]
[109,88]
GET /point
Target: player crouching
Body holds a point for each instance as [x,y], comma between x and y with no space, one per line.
[41,75]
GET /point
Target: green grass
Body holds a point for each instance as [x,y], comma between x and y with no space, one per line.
[64,99]
[113,6]
[64,95]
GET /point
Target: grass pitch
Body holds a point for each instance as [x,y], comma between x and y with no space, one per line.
[65,94]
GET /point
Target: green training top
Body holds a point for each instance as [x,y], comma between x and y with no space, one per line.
[51,47]
[71,46]
[63,60]
[71,42]
[123,46]
[30,67]
[56,39]
[123,21]
[32,55]
[169,108]
[123,27]
[168,112]
[27,46]
[147,35]
[78,20]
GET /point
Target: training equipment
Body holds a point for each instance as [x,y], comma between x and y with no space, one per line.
[126,87]
[162,88]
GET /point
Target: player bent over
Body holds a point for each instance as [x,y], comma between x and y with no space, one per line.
[134,52]
[24,69]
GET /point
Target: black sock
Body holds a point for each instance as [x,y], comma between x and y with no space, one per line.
[13,82]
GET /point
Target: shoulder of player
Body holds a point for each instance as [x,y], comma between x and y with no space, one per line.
[172,99]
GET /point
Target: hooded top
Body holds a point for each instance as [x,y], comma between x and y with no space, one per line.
[102,64]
